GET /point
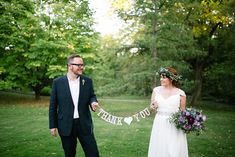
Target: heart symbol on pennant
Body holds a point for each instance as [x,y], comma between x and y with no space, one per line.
[128,120]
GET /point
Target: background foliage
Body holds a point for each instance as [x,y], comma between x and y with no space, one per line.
[42,34]
[195,37]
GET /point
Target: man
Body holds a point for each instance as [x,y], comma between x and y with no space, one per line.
[69,112]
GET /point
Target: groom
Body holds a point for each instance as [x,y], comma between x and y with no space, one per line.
[71,97]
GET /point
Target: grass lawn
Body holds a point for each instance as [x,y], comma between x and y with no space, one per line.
[24,129]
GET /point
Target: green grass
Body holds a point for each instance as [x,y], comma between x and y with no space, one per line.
[24,129]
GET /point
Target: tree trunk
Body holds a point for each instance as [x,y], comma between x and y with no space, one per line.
[37,90]
[198,85]
[153,46]
[37,94]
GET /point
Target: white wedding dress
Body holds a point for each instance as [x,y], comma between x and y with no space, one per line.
[166,140]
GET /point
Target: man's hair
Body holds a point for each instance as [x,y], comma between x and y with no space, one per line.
[71,57]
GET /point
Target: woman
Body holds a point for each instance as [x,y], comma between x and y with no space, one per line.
[166,140]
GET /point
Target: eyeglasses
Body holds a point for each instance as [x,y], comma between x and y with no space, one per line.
[79,65]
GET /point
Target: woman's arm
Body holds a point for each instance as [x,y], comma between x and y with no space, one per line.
[182,103]
[153,104]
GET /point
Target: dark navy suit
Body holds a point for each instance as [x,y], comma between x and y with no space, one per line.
[61,112]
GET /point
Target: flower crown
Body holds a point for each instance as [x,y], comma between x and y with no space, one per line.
[167,73]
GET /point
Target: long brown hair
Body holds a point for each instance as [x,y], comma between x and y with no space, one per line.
[174,82]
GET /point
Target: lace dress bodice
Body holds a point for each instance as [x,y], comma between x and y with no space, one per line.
[170,104]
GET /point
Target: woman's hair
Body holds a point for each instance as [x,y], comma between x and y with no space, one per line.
[171,73]
[175,83]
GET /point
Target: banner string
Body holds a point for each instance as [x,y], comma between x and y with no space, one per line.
[117,120]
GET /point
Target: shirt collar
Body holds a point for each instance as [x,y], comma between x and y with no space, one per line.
[78,78]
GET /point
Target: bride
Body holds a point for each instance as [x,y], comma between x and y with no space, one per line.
[166,140]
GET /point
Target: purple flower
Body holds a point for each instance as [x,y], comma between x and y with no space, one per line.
[187,113]
[197,123]
[189,120]
[181,119]
[187,127]
[198,117]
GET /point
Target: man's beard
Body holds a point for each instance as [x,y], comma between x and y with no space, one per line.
[77,74]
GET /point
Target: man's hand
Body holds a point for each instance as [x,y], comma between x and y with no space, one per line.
[94,106]
[53,132]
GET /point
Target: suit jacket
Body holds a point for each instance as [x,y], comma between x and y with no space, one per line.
[61,107]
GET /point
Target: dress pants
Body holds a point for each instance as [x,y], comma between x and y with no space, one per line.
[87,142]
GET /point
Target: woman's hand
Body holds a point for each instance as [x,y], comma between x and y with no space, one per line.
[154,105]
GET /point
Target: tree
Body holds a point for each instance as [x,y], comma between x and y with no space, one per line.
[51,33]
[13,25]
[219,76]
[206,19]
[185,40]
[158,38]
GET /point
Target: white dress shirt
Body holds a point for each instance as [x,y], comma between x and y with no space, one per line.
[74,86]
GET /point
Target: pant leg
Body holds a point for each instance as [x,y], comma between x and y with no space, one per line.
[69,144]
[89,145]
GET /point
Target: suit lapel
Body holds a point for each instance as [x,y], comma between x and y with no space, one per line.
[67,90]
[82,83]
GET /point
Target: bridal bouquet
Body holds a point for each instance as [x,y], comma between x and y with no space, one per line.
[190,120]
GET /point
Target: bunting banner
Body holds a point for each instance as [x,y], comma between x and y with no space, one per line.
[116,120]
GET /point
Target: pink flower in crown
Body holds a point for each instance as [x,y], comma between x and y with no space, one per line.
[83,82]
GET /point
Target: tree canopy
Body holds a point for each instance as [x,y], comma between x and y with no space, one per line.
[37,37]
[195,37]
